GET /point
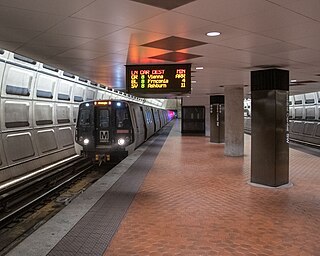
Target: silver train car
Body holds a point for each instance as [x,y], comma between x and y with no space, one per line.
[38,112]
[109,130]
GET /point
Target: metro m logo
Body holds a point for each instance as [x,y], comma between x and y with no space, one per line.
[104,136]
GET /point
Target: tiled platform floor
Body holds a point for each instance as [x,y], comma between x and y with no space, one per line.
[196,201]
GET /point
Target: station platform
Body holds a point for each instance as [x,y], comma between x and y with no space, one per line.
[179,195]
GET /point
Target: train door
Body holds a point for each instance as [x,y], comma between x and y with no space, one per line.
[103,126]
[144,123]
[139,126]
[154,120]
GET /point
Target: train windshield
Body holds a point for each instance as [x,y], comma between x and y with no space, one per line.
[85,117]
[104,118]
[122,118]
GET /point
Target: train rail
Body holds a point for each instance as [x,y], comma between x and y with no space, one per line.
[20,197]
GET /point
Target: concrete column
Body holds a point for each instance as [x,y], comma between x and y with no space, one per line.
[234,134]
[269,127]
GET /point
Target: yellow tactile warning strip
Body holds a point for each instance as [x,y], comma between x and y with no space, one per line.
[196,201]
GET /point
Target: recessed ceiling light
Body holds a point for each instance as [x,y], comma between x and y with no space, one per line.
[293,80]
[213,33]
[199,68]
[193,82]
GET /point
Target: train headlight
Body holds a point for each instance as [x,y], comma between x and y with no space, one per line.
[121,141]
[86,141]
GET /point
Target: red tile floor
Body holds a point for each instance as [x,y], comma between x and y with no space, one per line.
[196,201]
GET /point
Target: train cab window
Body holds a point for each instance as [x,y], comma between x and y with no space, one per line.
[122,118]
[85,117]
[104,118]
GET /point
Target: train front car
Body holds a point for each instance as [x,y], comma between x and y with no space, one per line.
[104,130]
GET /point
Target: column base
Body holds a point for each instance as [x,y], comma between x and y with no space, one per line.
[288,185]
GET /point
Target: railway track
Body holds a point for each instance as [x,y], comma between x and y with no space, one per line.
[30,202]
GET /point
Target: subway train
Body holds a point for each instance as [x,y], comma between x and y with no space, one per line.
[109,130]
[304,118]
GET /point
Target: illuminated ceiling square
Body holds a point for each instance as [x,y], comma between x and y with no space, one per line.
[164,4]
[173,43]
[175,56]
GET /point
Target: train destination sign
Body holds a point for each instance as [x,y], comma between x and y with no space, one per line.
[157,79]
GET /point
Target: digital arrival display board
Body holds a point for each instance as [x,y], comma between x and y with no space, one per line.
[158,79]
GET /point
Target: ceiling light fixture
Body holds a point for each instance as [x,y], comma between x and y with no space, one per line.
[199,68]
[293,81]
[193,82]
[213,33]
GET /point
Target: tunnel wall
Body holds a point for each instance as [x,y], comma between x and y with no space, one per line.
[304,118]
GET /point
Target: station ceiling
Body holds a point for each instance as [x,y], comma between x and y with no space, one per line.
[97,38]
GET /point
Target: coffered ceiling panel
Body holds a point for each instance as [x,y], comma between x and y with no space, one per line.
[39,50]
[220,10]
[302,55]
[17,35]
[297,31]
[123,12]
[311,42]
[247,41]
[10,46]
[171,23]
[227,32]
[80,54]
[270,18]
[83,28]
[24,19]
[57,7]
[48,39]
[274,48]
[308,8]
[103,46]
[133,36]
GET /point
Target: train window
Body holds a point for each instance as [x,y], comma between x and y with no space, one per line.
[104,118]
[122,118]
[85,117]
[149,116]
